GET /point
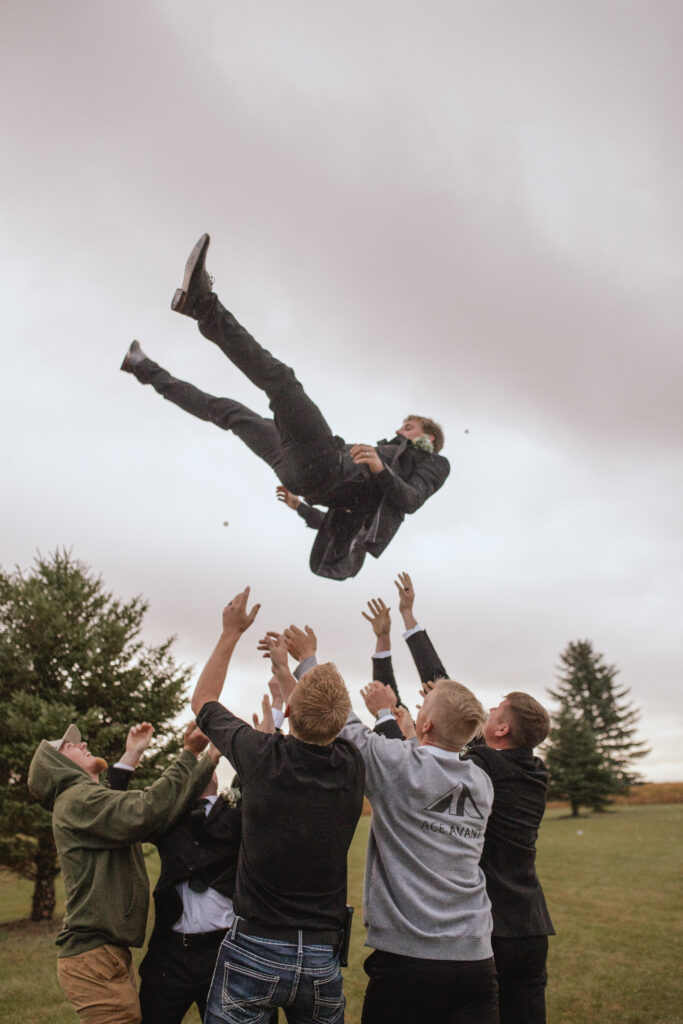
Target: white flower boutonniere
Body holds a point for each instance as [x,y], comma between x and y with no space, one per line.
[232,796]
[424,443]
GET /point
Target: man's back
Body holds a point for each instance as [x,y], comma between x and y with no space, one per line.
[520,781]
[300,807]
[424,888]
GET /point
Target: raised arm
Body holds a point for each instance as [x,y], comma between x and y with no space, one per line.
[313,517]
[275,648]
[378,615]
[302,644]
[236,620]
[138,739]
[427,661]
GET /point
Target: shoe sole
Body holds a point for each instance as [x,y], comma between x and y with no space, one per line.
[180,298]
[129,364]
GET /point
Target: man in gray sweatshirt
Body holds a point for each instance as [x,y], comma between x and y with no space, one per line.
[425,904]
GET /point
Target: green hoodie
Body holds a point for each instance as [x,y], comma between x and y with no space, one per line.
[98,833]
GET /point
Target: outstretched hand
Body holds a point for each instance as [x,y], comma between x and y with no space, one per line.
[406,593]
[378,696]
[379,617]
[273,646]
[267,724]
[236,618]
[301,643]
[139,738]
[405,722]
[194,739]
[291,500]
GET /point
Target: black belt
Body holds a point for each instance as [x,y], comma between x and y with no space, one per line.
[309,937]
[200,940]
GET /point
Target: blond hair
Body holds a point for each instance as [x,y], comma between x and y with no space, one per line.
[529,722]
[456,714]
[319,705]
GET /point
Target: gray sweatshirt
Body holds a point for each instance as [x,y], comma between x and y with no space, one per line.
[425,894]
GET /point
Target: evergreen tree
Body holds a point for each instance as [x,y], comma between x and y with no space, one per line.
[70,652]
[577,770]
[588,694]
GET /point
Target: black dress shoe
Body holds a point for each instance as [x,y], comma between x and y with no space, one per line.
[196,283]
[133,356]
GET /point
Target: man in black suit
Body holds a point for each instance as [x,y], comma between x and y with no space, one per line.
[192,898]
[521,922]
[367,489]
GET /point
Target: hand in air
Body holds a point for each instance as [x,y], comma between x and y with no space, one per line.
[379,617]
[266,724]
[378,696]
[406,593]
[291,500]
[139,738]
[236,618]
[273,646]
[301,643]
[194,739]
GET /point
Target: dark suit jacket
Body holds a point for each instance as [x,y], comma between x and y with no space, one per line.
[208,853]
[410,476]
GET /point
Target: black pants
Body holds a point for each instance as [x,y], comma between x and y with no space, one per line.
[522,978]
[297,443]
[408,990]
[173,977]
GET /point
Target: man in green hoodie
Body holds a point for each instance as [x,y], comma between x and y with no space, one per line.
[98,833]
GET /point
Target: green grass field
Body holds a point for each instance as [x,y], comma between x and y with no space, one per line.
[613,887]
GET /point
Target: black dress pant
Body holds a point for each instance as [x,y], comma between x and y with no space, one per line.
[522,978]
[173,977]
[408,990]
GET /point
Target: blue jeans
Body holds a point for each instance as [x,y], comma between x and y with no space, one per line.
[253,976]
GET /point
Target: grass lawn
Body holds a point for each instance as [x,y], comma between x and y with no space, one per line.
[613,887]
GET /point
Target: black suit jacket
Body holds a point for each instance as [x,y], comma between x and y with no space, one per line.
[208,853]
[410,476]
[520,782]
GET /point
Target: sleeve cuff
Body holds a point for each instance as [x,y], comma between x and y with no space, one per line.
[278,717]
[410,632]
[304,666]
[126,767]
[384,713]
[381,654]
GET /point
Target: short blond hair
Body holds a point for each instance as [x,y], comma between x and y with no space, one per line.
[457,715]
[319,705]
[528,721]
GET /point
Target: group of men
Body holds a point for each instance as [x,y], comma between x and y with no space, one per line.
[251,911]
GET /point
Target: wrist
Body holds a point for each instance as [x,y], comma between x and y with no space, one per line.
[383,643]
[409,620]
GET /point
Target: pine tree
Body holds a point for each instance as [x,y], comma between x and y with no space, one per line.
[577,770]
[588,694]
[70,652]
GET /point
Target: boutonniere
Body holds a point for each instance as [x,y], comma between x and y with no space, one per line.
[232,796]
[424,443]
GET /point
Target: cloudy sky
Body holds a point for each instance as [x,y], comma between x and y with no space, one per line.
[467,210]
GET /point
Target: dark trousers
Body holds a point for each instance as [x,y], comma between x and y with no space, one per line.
[522,978]
[297,443]
[408,990]
[173,977]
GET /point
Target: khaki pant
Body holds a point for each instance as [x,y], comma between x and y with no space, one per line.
[101,985]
